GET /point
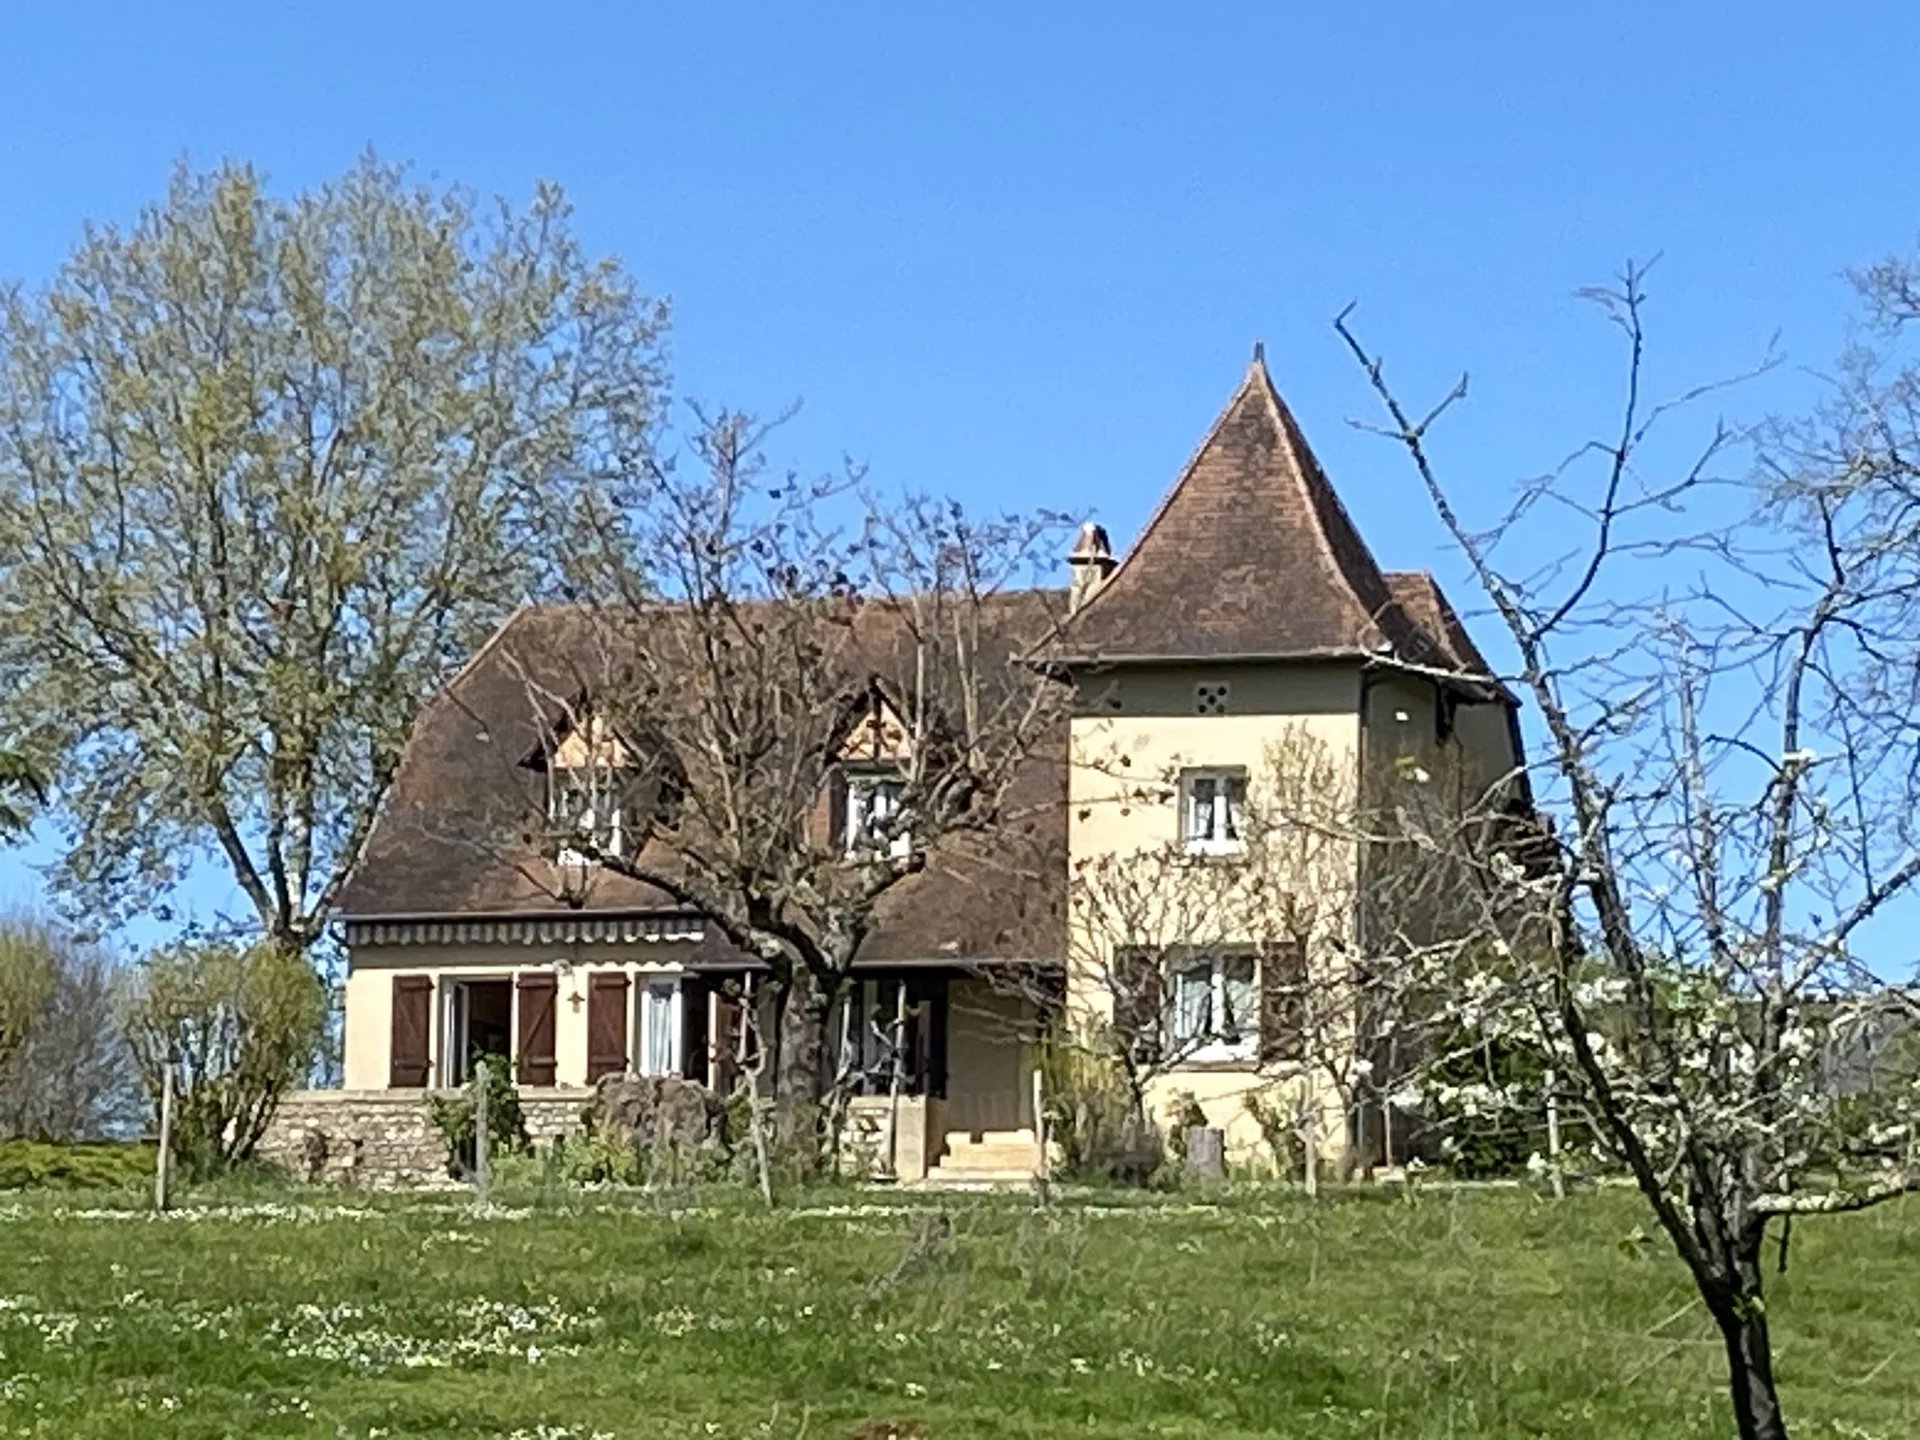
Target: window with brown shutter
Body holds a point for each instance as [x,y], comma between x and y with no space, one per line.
[1138,1002]
[538,989]
[1283,1002]
[408,1061]
[606,1025]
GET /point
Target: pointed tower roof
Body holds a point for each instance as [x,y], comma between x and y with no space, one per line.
[1250,554]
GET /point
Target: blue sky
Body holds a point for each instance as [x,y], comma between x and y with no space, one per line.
[1022,253]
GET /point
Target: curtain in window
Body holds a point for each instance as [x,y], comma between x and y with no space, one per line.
[1236,998]
[659,1034]
[1192,1003]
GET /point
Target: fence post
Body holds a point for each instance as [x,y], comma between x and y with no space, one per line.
[1553,1138]
[482,1142]
[1043,1157]
[163,1163]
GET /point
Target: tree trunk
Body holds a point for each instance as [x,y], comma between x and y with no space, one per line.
[800,1073]
[1741,1313]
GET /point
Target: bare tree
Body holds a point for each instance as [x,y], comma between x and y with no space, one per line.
[1259,951]
[1721,671]
[801,700]
[72,1077]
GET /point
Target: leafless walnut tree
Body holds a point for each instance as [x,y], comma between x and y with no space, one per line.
[1722,675]
[798,697]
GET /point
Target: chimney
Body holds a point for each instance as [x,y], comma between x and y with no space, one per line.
[1089,565]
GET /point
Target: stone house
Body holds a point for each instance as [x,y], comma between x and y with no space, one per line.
[1247,621]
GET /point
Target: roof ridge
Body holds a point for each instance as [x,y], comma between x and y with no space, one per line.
[1322,495]
[1258,363]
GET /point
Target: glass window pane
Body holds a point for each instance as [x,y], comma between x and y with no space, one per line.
[1236,993]
[1235,798]
[1192,1002]
[659,1029]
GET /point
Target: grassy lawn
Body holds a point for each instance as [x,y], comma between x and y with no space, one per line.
[1479,1314]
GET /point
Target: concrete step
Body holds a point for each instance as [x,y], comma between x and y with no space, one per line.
[941,1178]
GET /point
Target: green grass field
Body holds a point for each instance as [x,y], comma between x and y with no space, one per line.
[1475,1314]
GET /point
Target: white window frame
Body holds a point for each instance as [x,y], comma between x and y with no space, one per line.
[602,785]
[861,785]
[451,1022]
[1213,1047]
[1224,815]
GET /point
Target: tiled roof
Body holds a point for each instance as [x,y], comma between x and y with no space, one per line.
[1251,554]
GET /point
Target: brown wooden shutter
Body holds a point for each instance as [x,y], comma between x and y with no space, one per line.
[606,1025]
[412,1015]
[538,990]
[1283,983]
[836,810]
[1138,1001]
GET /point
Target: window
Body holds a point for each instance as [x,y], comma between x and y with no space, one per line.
[1211,806]
[1214,1013]
[659,1021]
[873,812]
[583,804]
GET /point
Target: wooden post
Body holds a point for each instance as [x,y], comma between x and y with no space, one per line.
[163,1163]
[1043,1158]
[898,1079]
[1310,1142]
[1553,1139]
[482,1142]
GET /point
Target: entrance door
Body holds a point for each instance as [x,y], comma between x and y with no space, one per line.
[479,1022]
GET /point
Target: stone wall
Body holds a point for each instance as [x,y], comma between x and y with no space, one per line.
[384,1138]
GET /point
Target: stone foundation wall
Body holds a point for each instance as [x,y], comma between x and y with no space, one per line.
[384,1138]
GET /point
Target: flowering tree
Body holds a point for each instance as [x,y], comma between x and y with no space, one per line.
[1726,805]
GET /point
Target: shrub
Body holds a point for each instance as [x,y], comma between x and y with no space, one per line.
[1093,1115]
[454,1115]
[241,1026]
[35,1164]
[1276,1130]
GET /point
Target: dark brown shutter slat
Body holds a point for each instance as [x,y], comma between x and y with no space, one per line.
[1283,980]
[408,1063]
[537,992]
[837,810]
[1139,1003]
[606,1026]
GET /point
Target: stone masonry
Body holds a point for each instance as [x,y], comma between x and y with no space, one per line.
[382,1139]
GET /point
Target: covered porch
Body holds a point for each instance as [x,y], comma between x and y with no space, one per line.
[936,1065]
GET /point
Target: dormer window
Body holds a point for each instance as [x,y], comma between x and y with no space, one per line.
[590,780]
[874,824]
[584,806]
[1212,810]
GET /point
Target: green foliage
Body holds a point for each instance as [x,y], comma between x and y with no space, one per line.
[21,784]
[1484,1142]
[598,1156]
[36,1164]
[273,467]
[240,1025]
[456,1116]
[1092,1113]
[1183,1114]
[29,951]
[1276,1131]
[1473,1316]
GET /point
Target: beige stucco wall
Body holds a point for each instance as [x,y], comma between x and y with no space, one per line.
[990,1034]
[369,995]
[1134,731]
